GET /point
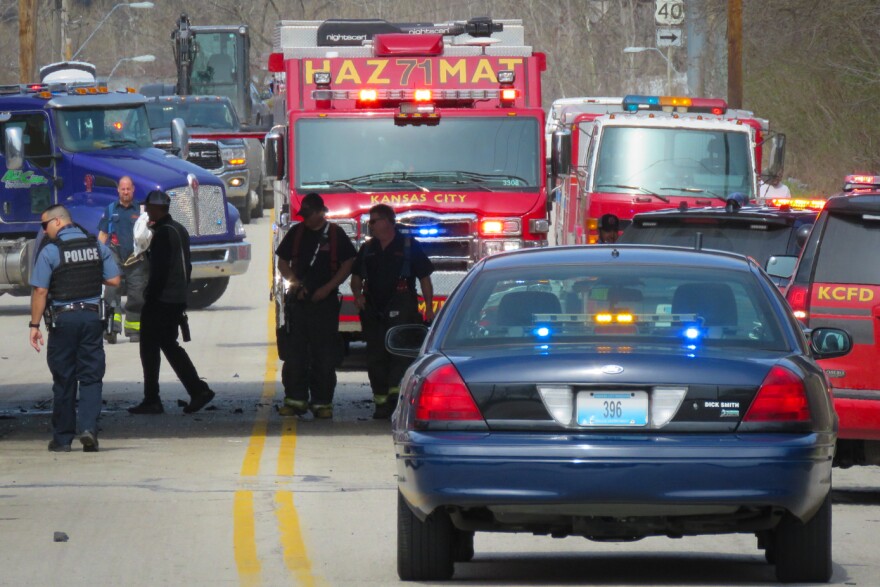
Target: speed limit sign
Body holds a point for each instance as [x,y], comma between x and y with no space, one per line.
[669,12]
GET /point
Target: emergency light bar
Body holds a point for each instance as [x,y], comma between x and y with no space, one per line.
[797,203]
[47,90]
[636,103]
[397,96]
[861,182]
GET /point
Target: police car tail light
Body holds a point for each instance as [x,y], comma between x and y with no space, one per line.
[444,396]
[798,297]
[782,397]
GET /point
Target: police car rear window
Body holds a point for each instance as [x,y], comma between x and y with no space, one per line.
[848,250]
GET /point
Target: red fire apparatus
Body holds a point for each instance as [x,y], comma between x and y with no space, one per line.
[443,122]
[642,153]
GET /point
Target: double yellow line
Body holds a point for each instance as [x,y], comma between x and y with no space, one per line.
[294,554]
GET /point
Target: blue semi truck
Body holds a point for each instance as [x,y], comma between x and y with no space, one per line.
[70,144]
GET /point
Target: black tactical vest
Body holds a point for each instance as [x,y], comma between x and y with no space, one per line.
[81,272]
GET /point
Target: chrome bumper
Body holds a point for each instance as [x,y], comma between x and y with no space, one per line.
[220,260]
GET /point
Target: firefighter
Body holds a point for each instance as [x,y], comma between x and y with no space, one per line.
[116,227]
[609,229]
[315,257]
[164,310]
[383,284]
[70,268]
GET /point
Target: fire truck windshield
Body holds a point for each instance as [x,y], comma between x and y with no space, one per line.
[94,129]
[483,153]
[674,162]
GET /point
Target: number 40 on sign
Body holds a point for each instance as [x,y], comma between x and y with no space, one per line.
[668,12]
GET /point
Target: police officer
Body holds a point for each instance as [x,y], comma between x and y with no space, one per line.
[164,310]
[315,257]
[609,229]
[116,227]
[384,288]
[67,275]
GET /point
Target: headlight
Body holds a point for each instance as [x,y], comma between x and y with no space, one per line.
[239,228]
[234,155]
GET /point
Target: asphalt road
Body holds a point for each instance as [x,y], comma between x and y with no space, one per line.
[237,495]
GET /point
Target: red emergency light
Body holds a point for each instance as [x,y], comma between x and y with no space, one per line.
[509,94]
[861,182]
[276,62]
[797,203]
[402,45]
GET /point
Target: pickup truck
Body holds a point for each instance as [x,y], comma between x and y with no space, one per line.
[237,162]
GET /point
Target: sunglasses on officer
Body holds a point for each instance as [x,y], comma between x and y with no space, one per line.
[45,223]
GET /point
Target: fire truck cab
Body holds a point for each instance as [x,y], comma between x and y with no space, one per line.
[443,122]
[651,153]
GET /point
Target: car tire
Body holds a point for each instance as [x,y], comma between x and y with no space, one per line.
[803,550]
[245,212]
[204,292]
[424,549]
[463,546]
[257,204]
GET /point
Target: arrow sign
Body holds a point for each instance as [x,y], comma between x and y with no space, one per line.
[668,37]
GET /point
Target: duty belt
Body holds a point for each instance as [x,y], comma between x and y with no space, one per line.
[75,306]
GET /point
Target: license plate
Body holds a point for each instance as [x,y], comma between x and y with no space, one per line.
[612,408]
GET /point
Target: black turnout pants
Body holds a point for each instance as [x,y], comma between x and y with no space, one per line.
[309,371]
[383,369]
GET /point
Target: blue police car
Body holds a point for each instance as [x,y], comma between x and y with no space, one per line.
[615,392]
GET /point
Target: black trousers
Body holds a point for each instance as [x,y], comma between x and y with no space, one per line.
[383,369]
[159,329]
[313,349]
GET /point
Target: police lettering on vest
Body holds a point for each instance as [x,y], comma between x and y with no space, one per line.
[80,274]
[77,256]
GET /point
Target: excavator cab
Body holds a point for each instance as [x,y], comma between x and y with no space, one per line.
[212,60]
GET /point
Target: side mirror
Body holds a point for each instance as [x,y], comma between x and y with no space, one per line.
[274,153]
[179,138]
[560,157]
[827,343]
[777,156]
[781,266]
[14,147]
[406,340]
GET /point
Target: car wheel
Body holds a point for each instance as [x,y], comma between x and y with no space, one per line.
[245,212]
[803,551]
[463,546]
[257,204]
[204,292]
[424,549]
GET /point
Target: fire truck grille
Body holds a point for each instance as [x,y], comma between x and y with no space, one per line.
[203,216]
[447,239]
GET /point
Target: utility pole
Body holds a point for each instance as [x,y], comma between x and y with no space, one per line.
[27,37]
[65,30]
[734,54]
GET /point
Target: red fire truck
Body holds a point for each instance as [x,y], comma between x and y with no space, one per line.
[643,153]
[443,122]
